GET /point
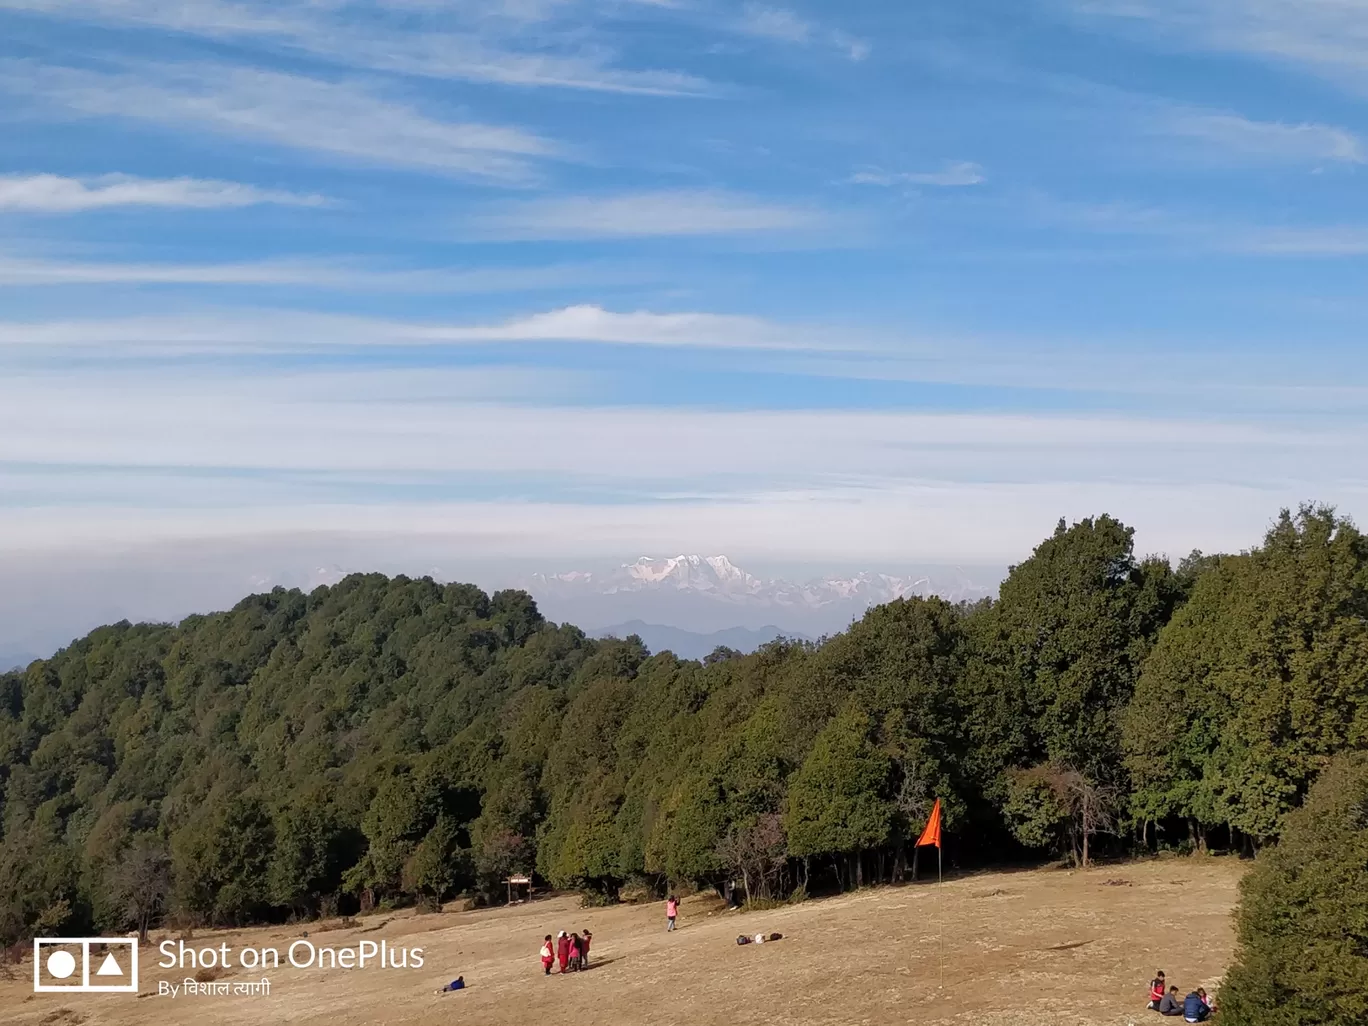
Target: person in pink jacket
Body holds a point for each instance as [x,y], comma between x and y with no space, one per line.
[671,912]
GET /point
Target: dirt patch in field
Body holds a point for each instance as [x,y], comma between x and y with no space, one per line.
[1049,948]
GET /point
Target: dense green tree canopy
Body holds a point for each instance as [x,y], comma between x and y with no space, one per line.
[398,740]
[1303,921]
[1057,655]
[1258,680]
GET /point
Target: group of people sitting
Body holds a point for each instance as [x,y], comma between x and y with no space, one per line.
[1164,999]
[570,950]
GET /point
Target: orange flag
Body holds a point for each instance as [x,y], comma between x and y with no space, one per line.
[931,835]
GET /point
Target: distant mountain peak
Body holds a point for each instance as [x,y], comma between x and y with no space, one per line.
[703,573]
[718,578]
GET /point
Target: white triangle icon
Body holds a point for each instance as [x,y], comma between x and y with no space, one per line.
[109,967]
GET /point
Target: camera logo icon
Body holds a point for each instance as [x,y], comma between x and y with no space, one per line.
[85,965]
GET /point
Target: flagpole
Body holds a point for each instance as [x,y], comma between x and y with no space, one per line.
[931,834]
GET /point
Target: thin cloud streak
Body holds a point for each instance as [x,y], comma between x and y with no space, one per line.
[333,274]
[177,421]
[1237,135]
[1328,38]
[339,119]
[646,214]
[378,46]
[293,331]
[54,194]
[589,323]
[962,173]
[1330,241]
[1196,232]
[766,21]
[467,58]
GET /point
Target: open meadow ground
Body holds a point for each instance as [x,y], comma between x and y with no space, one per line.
[1038,948]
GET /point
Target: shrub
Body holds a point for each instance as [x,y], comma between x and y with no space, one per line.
[763,904]
[1303,918]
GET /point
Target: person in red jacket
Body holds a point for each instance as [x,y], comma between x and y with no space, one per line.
[548,954]
[584,949]
[563,951]
[1157,988]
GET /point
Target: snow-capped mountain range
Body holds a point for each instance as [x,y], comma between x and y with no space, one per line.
[712,593]
[718,577]
[700,594]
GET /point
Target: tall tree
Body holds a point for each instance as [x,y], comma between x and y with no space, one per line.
[1259,679]
[1056,657]
[1302,958]
[142,883]
[221,862]
[837,805]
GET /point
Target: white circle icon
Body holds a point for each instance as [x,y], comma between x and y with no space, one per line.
[61,964]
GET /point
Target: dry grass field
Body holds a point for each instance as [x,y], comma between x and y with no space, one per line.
[1038,948]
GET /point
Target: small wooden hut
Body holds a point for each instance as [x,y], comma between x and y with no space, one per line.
[519,889]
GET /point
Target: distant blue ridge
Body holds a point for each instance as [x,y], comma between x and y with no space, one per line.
[692,644]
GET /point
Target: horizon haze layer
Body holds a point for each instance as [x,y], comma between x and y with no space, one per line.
[45,606]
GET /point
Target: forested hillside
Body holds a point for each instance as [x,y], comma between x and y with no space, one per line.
[397,740]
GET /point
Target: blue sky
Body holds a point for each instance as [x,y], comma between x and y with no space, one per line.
[866,282]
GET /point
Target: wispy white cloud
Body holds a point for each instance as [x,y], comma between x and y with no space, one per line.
[339,119]
[1213,135]
[469,58]
[53,194]
[215,18]
[1328,241]
[1193,231]
[775,23]
[247,420]
[285,331]
[1328,38]
[333,32]
[782,25]
[961,173]
[594,324]
[1274,140]
[641,214]
[331,274]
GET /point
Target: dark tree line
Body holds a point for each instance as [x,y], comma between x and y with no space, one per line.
[403,741]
